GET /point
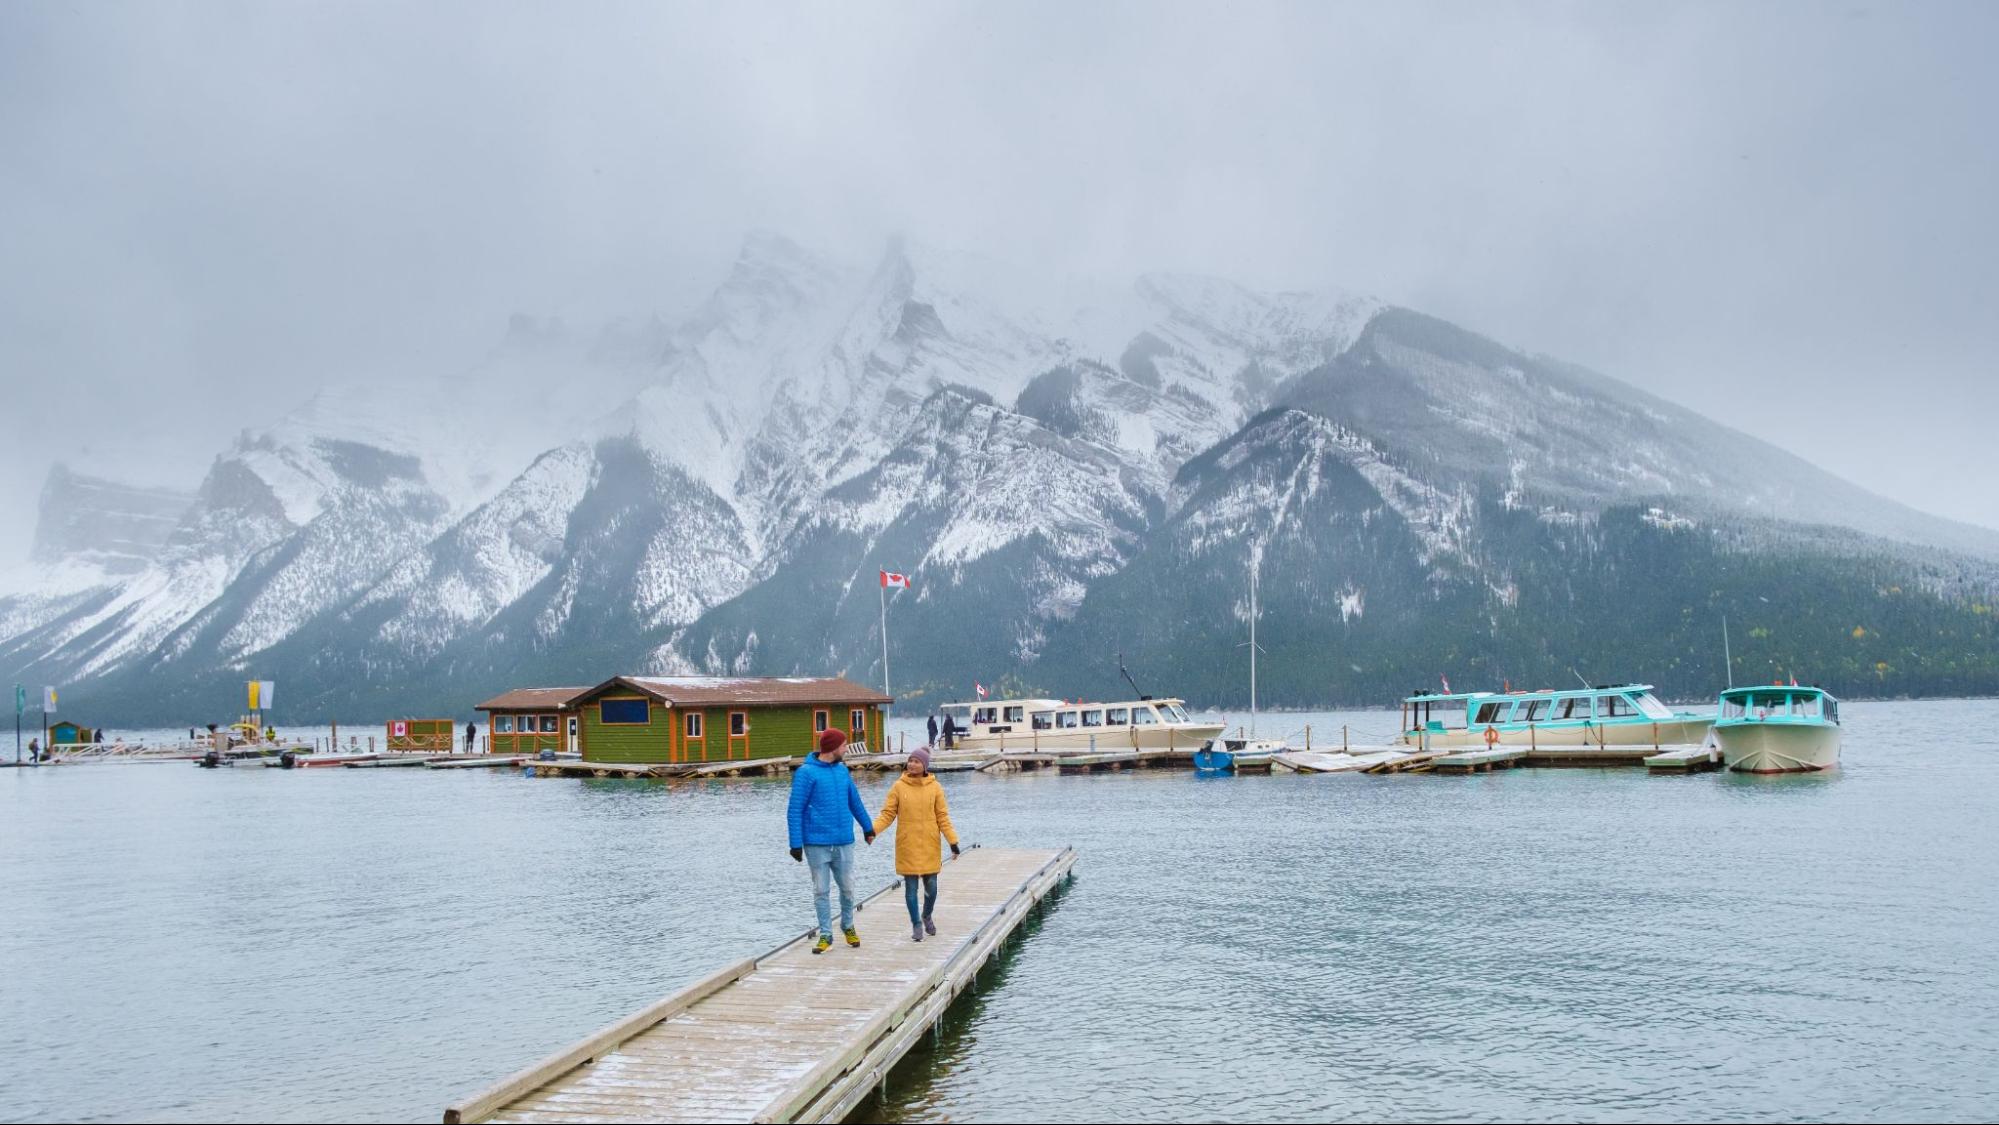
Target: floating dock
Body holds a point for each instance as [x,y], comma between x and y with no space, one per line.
[789,1035]
[1685,759]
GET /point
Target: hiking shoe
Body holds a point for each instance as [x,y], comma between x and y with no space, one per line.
[824,943]
[930,927]
[853,937]
[915,932]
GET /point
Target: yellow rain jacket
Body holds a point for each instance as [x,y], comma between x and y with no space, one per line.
[920,804]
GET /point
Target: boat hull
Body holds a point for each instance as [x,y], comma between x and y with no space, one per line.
[1778,747]
[1664,732]
[1078,741]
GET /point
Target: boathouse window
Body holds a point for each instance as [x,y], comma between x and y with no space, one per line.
[1093,718]
[624,712]
[694,724]
[1044,720]
[1065,719]
[1016,714]
[1118,717]
[549,724]
[1536,710]
[820,721]
[739,724]
[857,719]
[1614,707]
[503,724]
[1143,717]
[1493,712]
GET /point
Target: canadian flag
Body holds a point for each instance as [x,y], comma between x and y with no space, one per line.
[892,580]
[980,688]
[1447,682]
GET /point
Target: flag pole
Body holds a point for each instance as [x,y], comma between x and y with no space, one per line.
[882,589]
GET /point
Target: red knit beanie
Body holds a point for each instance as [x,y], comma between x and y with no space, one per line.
[831,739]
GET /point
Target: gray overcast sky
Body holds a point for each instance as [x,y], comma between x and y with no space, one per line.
[1781,214]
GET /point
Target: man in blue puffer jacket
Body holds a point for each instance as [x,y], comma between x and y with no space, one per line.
[823,798]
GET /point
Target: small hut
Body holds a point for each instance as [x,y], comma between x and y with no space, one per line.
[717,718]
[67,733]
[530,720]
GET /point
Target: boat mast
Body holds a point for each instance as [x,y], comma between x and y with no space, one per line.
[1726,658]
[1252,648]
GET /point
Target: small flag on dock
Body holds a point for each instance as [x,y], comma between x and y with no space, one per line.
[48,699]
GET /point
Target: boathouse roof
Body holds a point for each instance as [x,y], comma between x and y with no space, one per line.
[713,691]
[532,699]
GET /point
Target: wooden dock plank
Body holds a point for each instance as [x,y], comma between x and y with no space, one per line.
[791,1035]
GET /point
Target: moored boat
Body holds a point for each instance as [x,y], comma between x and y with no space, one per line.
[1606,715]
[1778,729]
[1055,725]
[1219,754]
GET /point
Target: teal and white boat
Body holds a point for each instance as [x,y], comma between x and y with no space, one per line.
[1605,715]
[1783,728]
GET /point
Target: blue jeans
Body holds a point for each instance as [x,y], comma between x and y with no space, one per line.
[831,863]
[929,896]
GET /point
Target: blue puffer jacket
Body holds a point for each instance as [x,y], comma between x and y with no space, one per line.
[825,804]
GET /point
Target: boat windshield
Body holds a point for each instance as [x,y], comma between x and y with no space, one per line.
[1143,717]
[1804,706]
[1172,713]
[1767,703]
[1734,706]
[1650,707]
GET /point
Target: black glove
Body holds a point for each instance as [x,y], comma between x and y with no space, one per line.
[798,854]
[954,849]
[870,836]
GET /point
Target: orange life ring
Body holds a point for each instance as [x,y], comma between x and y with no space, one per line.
[1491,735]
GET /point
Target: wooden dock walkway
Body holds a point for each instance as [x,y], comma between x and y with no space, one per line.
[1685,759]
[790,1035]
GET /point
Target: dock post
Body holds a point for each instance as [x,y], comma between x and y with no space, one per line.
[1343,738]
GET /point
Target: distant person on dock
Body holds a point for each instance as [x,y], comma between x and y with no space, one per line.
[933,731]
[823,798]
[918,802]
[34,750]
[471,736]
[950,731]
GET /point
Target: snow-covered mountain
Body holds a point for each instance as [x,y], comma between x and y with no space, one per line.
[1065,468]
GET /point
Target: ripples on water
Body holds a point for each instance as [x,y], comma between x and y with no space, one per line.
[252,945]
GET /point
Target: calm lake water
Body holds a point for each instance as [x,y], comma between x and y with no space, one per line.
[363,945]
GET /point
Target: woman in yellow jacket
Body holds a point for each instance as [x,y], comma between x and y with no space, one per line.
[918,801]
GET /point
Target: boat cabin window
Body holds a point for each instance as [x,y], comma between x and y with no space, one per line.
[1533,711]
[1574,707]
[1492,712]
[1143,717]
[1734,706]
[1118,717]
[1831,709]
[1044,720]
[1065,719]
[1804,706]
[1650,707]
[1767,703]
[1093,718]
[985,716]
[1016,714]
[1172,713]
[1615,707]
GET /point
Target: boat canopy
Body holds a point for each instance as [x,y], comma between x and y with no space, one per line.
[1778,701]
